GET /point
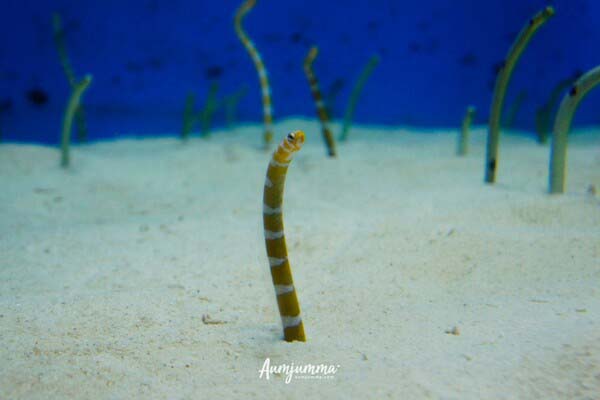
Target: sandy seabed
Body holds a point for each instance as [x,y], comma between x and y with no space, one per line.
[416,279]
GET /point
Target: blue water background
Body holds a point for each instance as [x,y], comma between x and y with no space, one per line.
[437,56]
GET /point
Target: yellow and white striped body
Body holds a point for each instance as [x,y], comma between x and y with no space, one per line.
[260,68]
[318,98]
[287,301]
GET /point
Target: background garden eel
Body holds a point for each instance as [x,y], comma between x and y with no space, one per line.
[502,80]
[356,91]
[61,47]
[513,110]
[72,107]
[289,309]
[260,68]
[211,105]
[188,116]
[319,103]
[543,115]
[562,125]
[462,145]
[231,104]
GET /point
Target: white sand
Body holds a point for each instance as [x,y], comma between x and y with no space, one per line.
[107,269]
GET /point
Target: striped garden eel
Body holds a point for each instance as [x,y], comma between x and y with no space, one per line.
[502,80]
[289,309]
[562,125]
[260,68]
[320,105]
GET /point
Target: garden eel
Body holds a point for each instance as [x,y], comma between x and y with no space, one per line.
[543,114]
[562,125]
[289,309]
[72,106]
[188,116]
[61,47]
[260,68]
[502,80]
[356,91]
[462,147]
[319,103]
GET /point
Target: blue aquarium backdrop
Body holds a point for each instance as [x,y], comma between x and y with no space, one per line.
[436,57]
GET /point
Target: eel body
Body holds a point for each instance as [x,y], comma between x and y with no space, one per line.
[287,301]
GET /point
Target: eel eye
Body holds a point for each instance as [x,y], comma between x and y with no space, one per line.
[291,137]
